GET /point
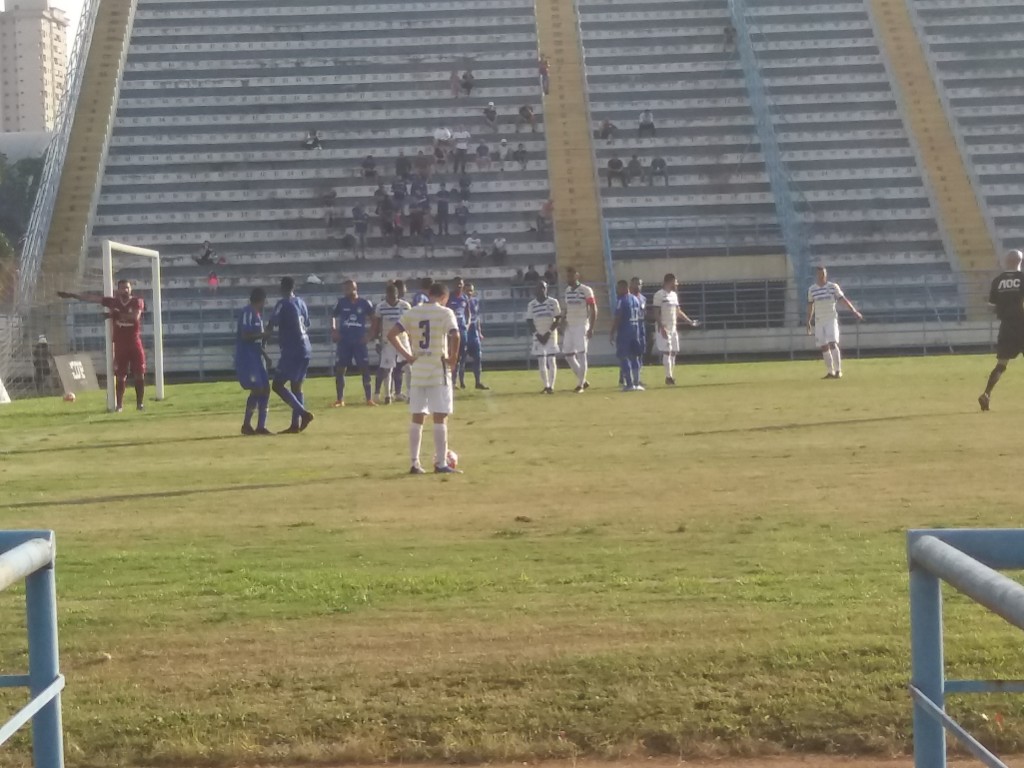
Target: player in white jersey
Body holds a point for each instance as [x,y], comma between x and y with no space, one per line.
[433,356]
[542,315]
[669,313]
[821,309]
[386,314]
[578,325]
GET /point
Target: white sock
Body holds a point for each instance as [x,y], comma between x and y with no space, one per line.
[837,359]
[389,381]
[440,445]
[574,362]
[827,356]
[415,439]
[542,366]
[583,368]
[552,371]
[668,366]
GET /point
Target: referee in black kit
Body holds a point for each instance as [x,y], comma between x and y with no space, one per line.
[1007,295]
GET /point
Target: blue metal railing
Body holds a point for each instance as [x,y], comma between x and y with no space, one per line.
[29,555]
[966,560]
[778,177]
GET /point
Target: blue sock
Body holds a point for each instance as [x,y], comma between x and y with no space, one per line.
[339,384]
[291,400]
[250,407]
[625,373]
[296,413]
[634,370]
[263,405]
[478,369]
[366,384]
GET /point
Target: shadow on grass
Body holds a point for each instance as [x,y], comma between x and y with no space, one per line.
[123,444]
[813,424]
[155,495]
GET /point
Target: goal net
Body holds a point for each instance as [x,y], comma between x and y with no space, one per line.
[122,251]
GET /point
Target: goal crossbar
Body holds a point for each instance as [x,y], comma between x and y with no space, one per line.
[109,248]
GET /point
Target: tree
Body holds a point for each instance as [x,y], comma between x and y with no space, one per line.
[19,183]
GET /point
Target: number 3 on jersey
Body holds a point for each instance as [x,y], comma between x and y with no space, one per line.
[425,328]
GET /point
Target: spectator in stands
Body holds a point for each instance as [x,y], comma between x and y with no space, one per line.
[607,131]
[312,140]
[440,159]
[645,126]
[385,216]
[729,35]
[465,185]
[379,194]
[418,188]
[545,217]
[443,198]
[442,138]
[635,169]
[526,117]
[397,226]
[403,166]
[658,168]
[424,164]
[455,83]
[483,157]
[551,275]
[370,167]
[428,237]
[399,192]
[616,170]
[544,70]
[520,156]
[206,255]
[362,224]
[504,154]
[491,116]
[474,250]
[462,216]
[499,250]
[468,81]
[532,276]
[417,220]
[213,282]
[461,139]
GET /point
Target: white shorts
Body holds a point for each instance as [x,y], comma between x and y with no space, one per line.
[575,340]
[551,348]
[431,400]
[388,356]
[667,345]
[826,332]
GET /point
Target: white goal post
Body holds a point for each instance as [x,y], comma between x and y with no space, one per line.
[109,248]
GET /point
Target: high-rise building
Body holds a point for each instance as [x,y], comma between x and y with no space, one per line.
[33,65]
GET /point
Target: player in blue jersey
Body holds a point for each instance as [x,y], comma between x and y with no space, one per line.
[351,323]
[291,319]
[474,335]
[422,295]
[627,336]
[249,365]
[458,302]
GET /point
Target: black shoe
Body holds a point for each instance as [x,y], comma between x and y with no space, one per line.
[248,430]
[579,390]
[305,420]
[669,381]
[984,400]
[262,431]
[549,391]
[415,470]
[828,376]
[289,431]
[482,386]
[462,385]
[586,385]
[140,407]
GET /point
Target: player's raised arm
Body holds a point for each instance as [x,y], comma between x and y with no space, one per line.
[91,297]
[395,340]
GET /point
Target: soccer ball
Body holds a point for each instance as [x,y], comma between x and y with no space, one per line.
[69,397]
[452,459]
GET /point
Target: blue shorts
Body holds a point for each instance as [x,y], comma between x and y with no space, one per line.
[473,346]
[292,367]
[352,353]
[629,347]
[253,375]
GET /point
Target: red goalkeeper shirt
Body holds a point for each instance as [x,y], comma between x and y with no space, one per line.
[127,330]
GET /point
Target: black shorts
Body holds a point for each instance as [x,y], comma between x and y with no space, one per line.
[1010,341]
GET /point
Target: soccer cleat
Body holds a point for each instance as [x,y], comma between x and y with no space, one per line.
[371,404]
[338,404]
[446,470]
[119,409]
[140,407]
[828,376]
[586,385]
[482,386]
[639,388]
[549,391]
[984,400]
[290,431]
[248,430]
[387,401]
[626,388]
[402,398]
[579,390]
[669,381]
[462,385]
[305,420]
[262,431]
[416,469]
[839,375]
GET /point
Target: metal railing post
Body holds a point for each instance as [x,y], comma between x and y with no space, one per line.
[927,672]
[44,666]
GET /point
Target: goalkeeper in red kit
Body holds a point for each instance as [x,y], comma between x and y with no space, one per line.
[125,314]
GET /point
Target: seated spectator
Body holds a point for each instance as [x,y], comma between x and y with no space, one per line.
[520,156]
[398,224]
[370,167]
[499,250]
[213,282]
[491,116]
[468,81]
[206,255]
[635,169]
[455,83]
[483,157]
[504,154]
[328,195]
[658,168]
[526,117]
[616,170]
[399,191]
[645,125]
[386,217]
[403,166]
[379,194]
[312,140]
[349,243]
[729,34]
[428,238]
[442,137]
[544,70]
[418,188]
[545,217]
[417,219]
[440,159]
[551,275]
[532,276]
[421,202]
[474,250]
[607,131]
[462,216]
[424,164]
[518,278]
[362,224]
[465,183]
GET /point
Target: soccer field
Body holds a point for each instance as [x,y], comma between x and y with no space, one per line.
[713,568]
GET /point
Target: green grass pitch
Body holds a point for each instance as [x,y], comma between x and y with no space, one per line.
[714,568]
